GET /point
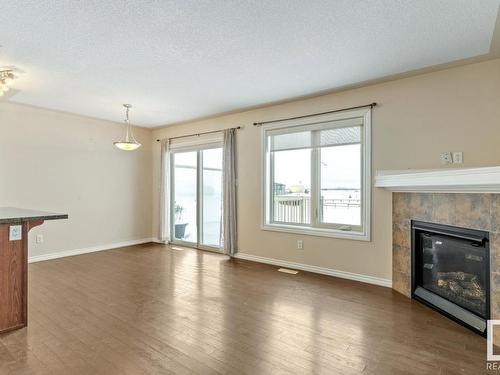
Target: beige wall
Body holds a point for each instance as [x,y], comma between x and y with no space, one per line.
[456,109]
[67,163]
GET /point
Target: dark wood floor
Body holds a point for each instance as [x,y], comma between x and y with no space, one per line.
[151,310]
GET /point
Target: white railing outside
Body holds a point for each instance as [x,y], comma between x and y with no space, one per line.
[292,208]
[296,208]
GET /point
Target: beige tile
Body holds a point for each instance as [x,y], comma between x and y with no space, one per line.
[473,211]
[401,233]
[401,282]
[400,206]
[401,259]
[495,304]
[443,208]
[421,206]
[495,252]
[495,283]
[495,212]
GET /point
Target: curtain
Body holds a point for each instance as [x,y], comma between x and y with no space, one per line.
[229,233]
[164,230]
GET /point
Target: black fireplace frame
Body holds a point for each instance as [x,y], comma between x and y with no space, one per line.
[466,233]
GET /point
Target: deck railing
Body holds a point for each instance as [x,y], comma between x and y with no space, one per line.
[292,209]
[295,209]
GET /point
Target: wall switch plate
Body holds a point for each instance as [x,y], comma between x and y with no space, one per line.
[300,244]
[39,238]
[446,158]
[458,157]
[15,232]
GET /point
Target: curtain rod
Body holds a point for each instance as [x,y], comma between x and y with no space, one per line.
[371,105]
[198,134]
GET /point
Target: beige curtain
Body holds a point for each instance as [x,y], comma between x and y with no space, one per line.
[229,233]
[164,230]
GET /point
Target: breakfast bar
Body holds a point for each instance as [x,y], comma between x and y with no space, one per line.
[15,223]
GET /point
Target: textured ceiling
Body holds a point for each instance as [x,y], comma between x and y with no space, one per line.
[179,60]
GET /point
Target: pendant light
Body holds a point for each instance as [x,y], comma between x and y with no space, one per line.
[6,79]
[130,143]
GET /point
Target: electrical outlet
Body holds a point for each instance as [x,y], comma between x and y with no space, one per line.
[300,244]
[458,157]
[446,158]
[15,232]
[39,238]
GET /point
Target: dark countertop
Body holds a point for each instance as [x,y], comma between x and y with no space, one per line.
[19,215]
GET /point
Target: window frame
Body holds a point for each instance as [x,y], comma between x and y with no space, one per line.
[198,148]
[316,228]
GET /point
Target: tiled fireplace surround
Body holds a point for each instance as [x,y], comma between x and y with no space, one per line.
[469,210]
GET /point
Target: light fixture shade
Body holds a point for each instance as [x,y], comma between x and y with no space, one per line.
[129,143]
[127,146]
[6,78]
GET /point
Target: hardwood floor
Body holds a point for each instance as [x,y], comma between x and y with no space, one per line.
[148,309]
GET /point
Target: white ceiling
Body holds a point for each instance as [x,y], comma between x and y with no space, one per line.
[179,60]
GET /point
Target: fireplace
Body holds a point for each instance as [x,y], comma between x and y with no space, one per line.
[450,272]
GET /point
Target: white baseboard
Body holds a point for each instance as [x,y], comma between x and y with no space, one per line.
[324,271]
[86,250]
[156,240]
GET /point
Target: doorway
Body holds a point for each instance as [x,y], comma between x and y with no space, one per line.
[196,197]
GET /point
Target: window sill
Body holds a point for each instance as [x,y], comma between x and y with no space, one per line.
[319,232]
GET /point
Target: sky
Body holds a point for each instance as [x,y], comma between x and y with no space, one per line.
[340,167]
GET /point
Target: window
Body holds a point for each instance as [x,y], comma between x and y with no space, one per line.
[317,175]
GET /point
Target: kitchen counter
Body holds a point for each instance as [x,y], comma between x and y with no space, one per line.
[10,215]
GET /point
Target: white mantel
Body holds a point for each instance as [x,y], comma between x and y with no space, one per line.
[464,180]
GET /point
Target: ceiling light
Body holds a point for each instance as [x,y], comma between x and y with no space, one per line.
[130,143]
[6,76]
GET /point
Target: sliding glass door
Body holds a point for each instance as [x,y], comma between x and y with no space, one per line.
[196,204]
[185,197]
[211,197]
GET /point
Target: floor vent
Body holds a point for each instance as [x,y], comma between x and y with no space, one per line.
[286,270]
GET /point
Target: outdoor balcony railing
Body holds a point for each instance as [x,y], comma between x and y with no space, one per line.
[296,209]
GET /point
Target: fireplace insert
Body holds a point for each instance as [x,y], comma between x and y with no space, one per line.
[451,272]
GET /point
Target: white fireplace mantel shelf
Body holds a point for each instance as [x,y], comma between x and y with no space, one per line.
[464,180]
